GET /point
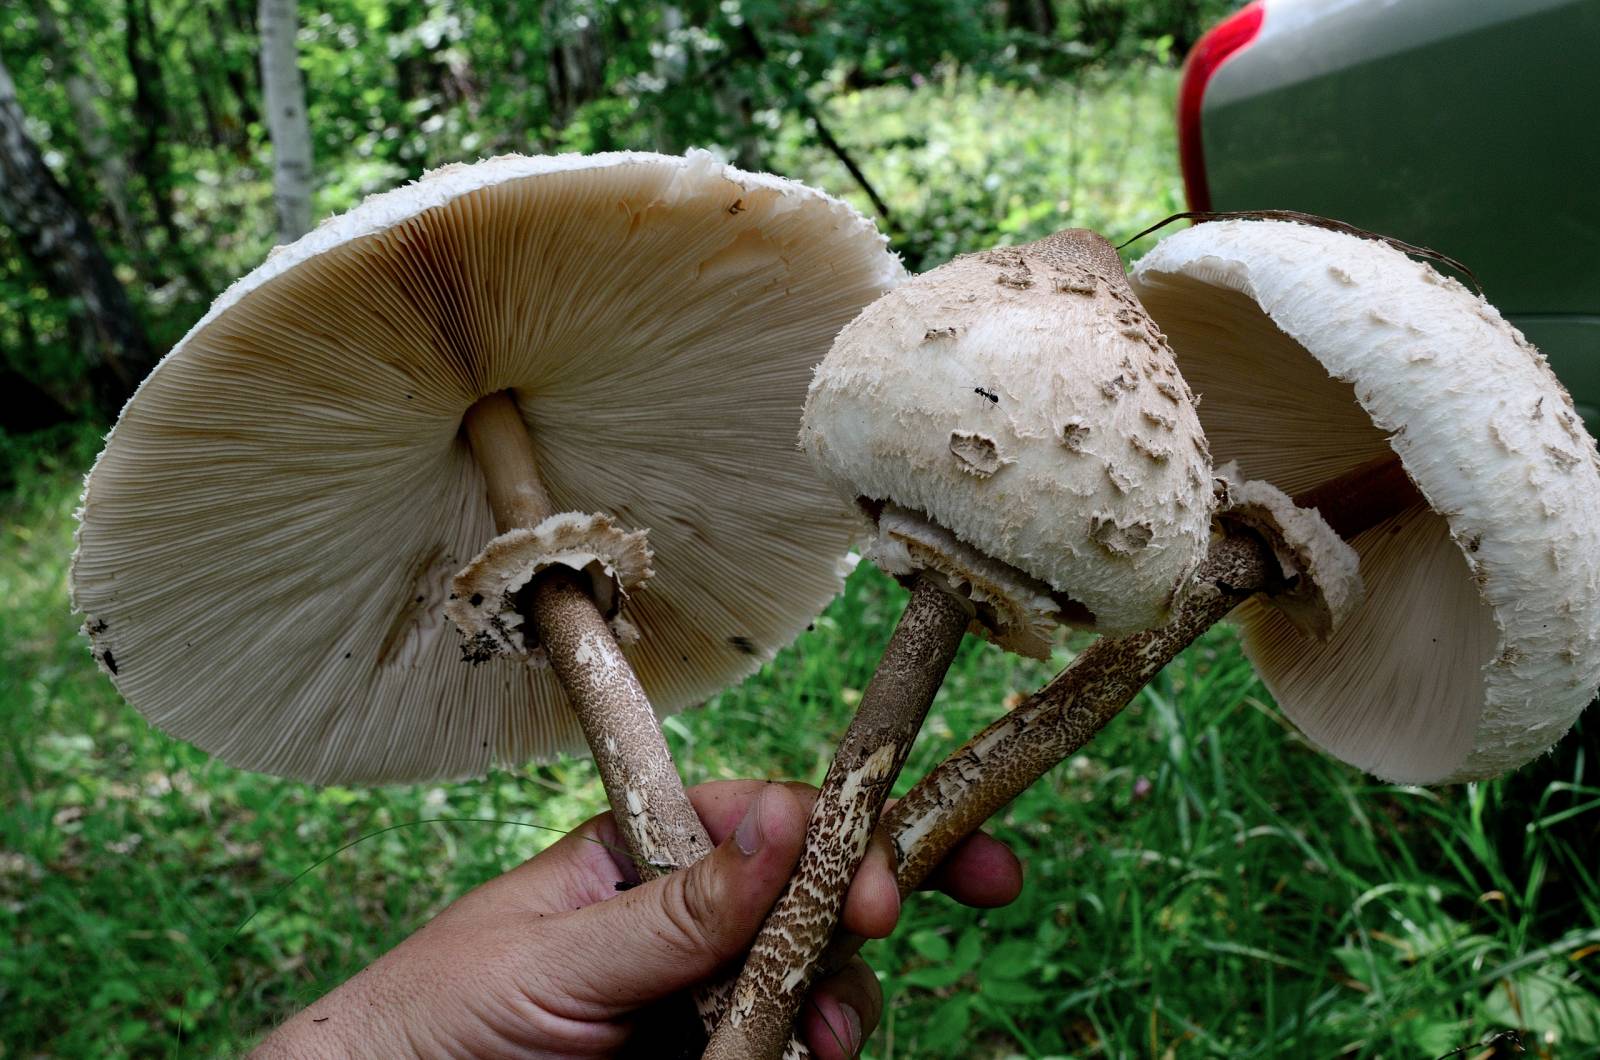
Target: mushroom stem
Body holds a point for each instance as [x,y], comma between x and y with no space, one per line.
[1364,496]
[783,962]
[504,452]
[654,816]
[994,767]
[1064,715]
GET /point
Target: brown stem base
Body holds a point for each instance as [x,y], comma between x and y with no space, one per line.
[655,819]
[995,766]
[654,815]
[783,962]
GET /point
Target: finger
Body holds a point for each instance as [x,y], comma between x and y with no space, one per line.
[872,905]
[676,931]
[981,872]
[582,867]
[721,804]
[590,863]
[842,1011]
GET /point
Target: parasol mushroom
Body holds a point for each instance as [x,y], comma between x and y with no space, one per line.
[1013,428]
[599,357]
[1434,439]
[1317,352]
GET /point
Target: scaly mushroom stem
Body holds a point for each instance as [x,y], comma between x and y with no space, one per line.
[783,962]
[1364,496]
[995,766]
[654,816]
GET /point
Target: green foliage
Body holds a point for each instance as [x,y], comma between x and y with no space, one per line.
[1096,153]
[395,88]
[1199,881]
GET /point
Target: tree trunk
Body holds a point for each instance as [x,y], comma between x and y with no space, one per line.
[735,101]
[56,237]
[1101,23]
[408,73]
[237,74]
[1184,25]
[287,123]
[216,129]
[1035,16]
[151,121]
[575,73]
[105,161]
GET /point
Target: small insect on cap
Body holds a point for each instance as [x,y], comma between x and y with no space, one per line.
[1021,403]
[268,541]
[1319,352]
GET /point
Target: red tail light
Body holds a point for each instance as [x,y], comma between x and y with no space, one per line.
[1212,50]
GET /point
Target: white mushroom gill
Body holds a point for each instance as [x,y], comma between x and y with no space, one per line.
[1397,690]
[292,476]
[1314,351]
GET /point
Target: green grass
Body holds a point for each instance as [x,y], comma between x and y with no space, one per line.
[1200,883]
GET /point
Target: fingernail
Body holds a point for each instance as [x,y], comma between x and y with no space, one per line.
[852,1028]
[749,835]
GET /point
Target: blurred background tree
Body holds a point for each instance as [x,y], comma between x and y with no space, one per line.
[155,149]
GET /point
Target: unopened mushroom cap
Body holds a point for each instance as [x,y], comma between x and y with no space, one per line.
[1021,399]
[1314,352]
[268,540]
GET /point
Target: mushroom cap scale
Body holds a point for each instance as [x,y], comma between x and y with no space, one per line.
[1317,351]
[1021,399]
[267,542]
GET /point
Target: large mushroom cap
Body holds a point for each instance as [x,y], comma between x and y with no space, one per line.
[1316,351]
[1021,399]
[268,540]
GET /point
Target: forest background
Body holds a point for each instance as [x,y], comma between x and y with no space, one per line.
[1201,883]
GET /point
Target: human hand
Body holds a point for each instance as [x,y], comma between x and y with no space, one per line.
[550,960]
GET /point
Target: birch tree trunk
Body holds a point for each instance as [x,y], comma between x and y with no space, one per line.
[287,123]
[57,239]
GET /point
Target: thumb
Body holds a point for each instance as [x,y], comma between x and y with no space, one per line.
[671,933]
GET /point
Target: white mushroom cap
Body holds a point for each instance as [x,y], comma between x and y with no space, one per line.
[1021,399]
[1314,352]
[268,540]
